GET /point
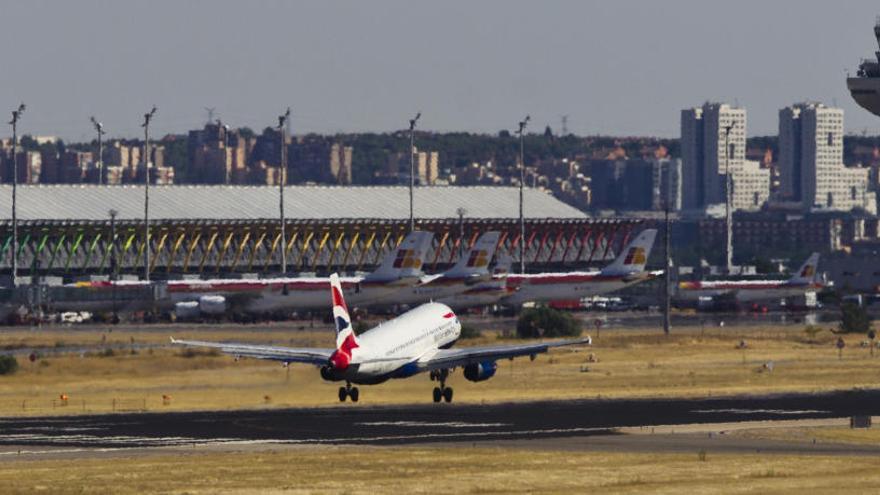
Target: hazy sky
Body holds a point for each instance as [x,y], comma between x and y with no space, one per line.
[615,67]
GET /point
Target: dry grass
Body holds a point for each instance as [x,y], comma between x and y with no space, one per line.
[827,434]
[448,470]
[630,363]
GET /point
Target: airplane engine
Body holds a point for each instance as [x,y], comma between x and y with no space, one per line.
[212,305]
[186,310]
[477,372]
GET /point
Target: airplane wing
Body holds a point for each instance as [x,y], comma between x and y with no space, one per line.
[306,355]
[451,358]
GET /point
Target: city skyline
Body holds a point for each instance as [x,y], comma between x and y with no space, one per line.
[615,69]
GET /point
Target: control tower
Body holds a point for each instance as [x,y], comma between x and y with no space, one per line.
[865,87]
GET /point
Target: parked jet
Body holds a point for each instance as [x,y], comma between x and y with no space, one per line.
[805,280]
[471,270]
[417,341]
[400,268]
[628,269]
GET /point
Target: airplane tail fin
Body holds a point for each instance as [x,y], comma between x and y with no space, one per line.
[345,338]
[476,260]
[807,272]
[406,260]
[634,256]
[502,265]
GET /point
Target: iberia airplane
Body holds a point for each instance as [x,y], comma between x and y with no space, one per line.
[756,290]
[628,269]
[417,341]
[471,270]
[400,268]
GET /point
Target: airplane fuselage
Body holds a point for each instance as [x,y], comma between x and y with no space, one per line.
[394,348]
[546,287]
[745,291]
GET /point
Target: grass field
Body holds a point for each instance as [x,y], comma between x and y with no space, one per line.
[624,363]
[481,470]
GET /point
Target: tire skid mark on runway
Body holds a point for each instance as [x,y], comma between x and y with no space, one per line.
[423,424]
[803,412]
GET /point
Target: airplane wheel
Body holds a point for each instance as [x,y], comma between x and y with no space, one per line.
[353,393]
[447,394]
[342,393]
[437,394]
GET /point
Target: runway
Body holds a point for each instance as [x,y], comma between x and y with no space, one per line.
[419,424]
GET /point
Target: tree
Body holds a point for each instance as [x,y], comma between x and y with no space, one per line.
[854,318]
[8,365]
[543,321]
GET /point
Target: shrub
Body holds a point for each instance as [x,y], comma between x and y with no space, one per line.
[854,319]
[546,322]
[8,365]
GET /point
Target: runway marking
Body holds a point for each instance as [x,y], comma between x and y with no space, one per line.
[134,441]
[449,424]
[762,411]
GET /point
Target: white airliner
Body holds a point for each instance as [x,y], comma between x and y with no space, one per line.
[471,270]
[628,269]
[802,282]
[414,342]
[400,268]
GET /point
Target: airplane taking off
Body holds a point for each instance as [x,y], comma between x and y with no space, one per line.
[628,269]
[805,280]
[470,270]
[417,341]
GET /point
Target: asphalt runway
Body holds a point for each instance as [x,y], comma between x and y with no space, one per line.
[420,424]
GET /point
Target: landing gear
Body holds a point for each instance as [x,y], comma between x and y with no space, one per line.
[348,391]
[442,392]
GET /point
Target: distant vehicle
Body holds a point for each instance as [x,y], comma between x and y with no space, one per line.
[417,341]
[628,269]
[749,291]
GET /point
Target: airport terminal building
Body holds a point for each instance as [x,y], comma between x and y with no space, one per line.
[66,230]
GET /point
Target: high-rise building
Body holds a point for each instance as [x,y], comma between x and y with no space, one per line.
[811,160]
[713,143]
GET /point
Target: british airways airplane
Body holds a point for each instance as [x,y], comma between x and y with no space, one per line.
[417,341]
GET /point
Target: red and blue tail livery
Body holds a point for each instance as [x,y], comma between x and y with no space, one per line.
[346,342]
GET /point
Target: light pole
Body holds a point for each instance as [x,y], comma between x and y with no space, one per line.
[113,262]
[412,168]
[16,114]
[728,199]
[667,323]
[522,182]
[146,125]
[99,128]
[282,119]
[461,213]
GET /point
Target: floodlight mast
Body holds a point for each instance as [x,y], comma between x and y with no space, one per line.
[412,168]
[16,114]
[728,200]
[146,125]
[283,119]
[99,128]
[522,180]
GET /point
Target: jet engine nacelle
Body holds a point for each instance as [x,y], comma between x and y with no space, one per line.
[477,372]
[212,305]
[330,374]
